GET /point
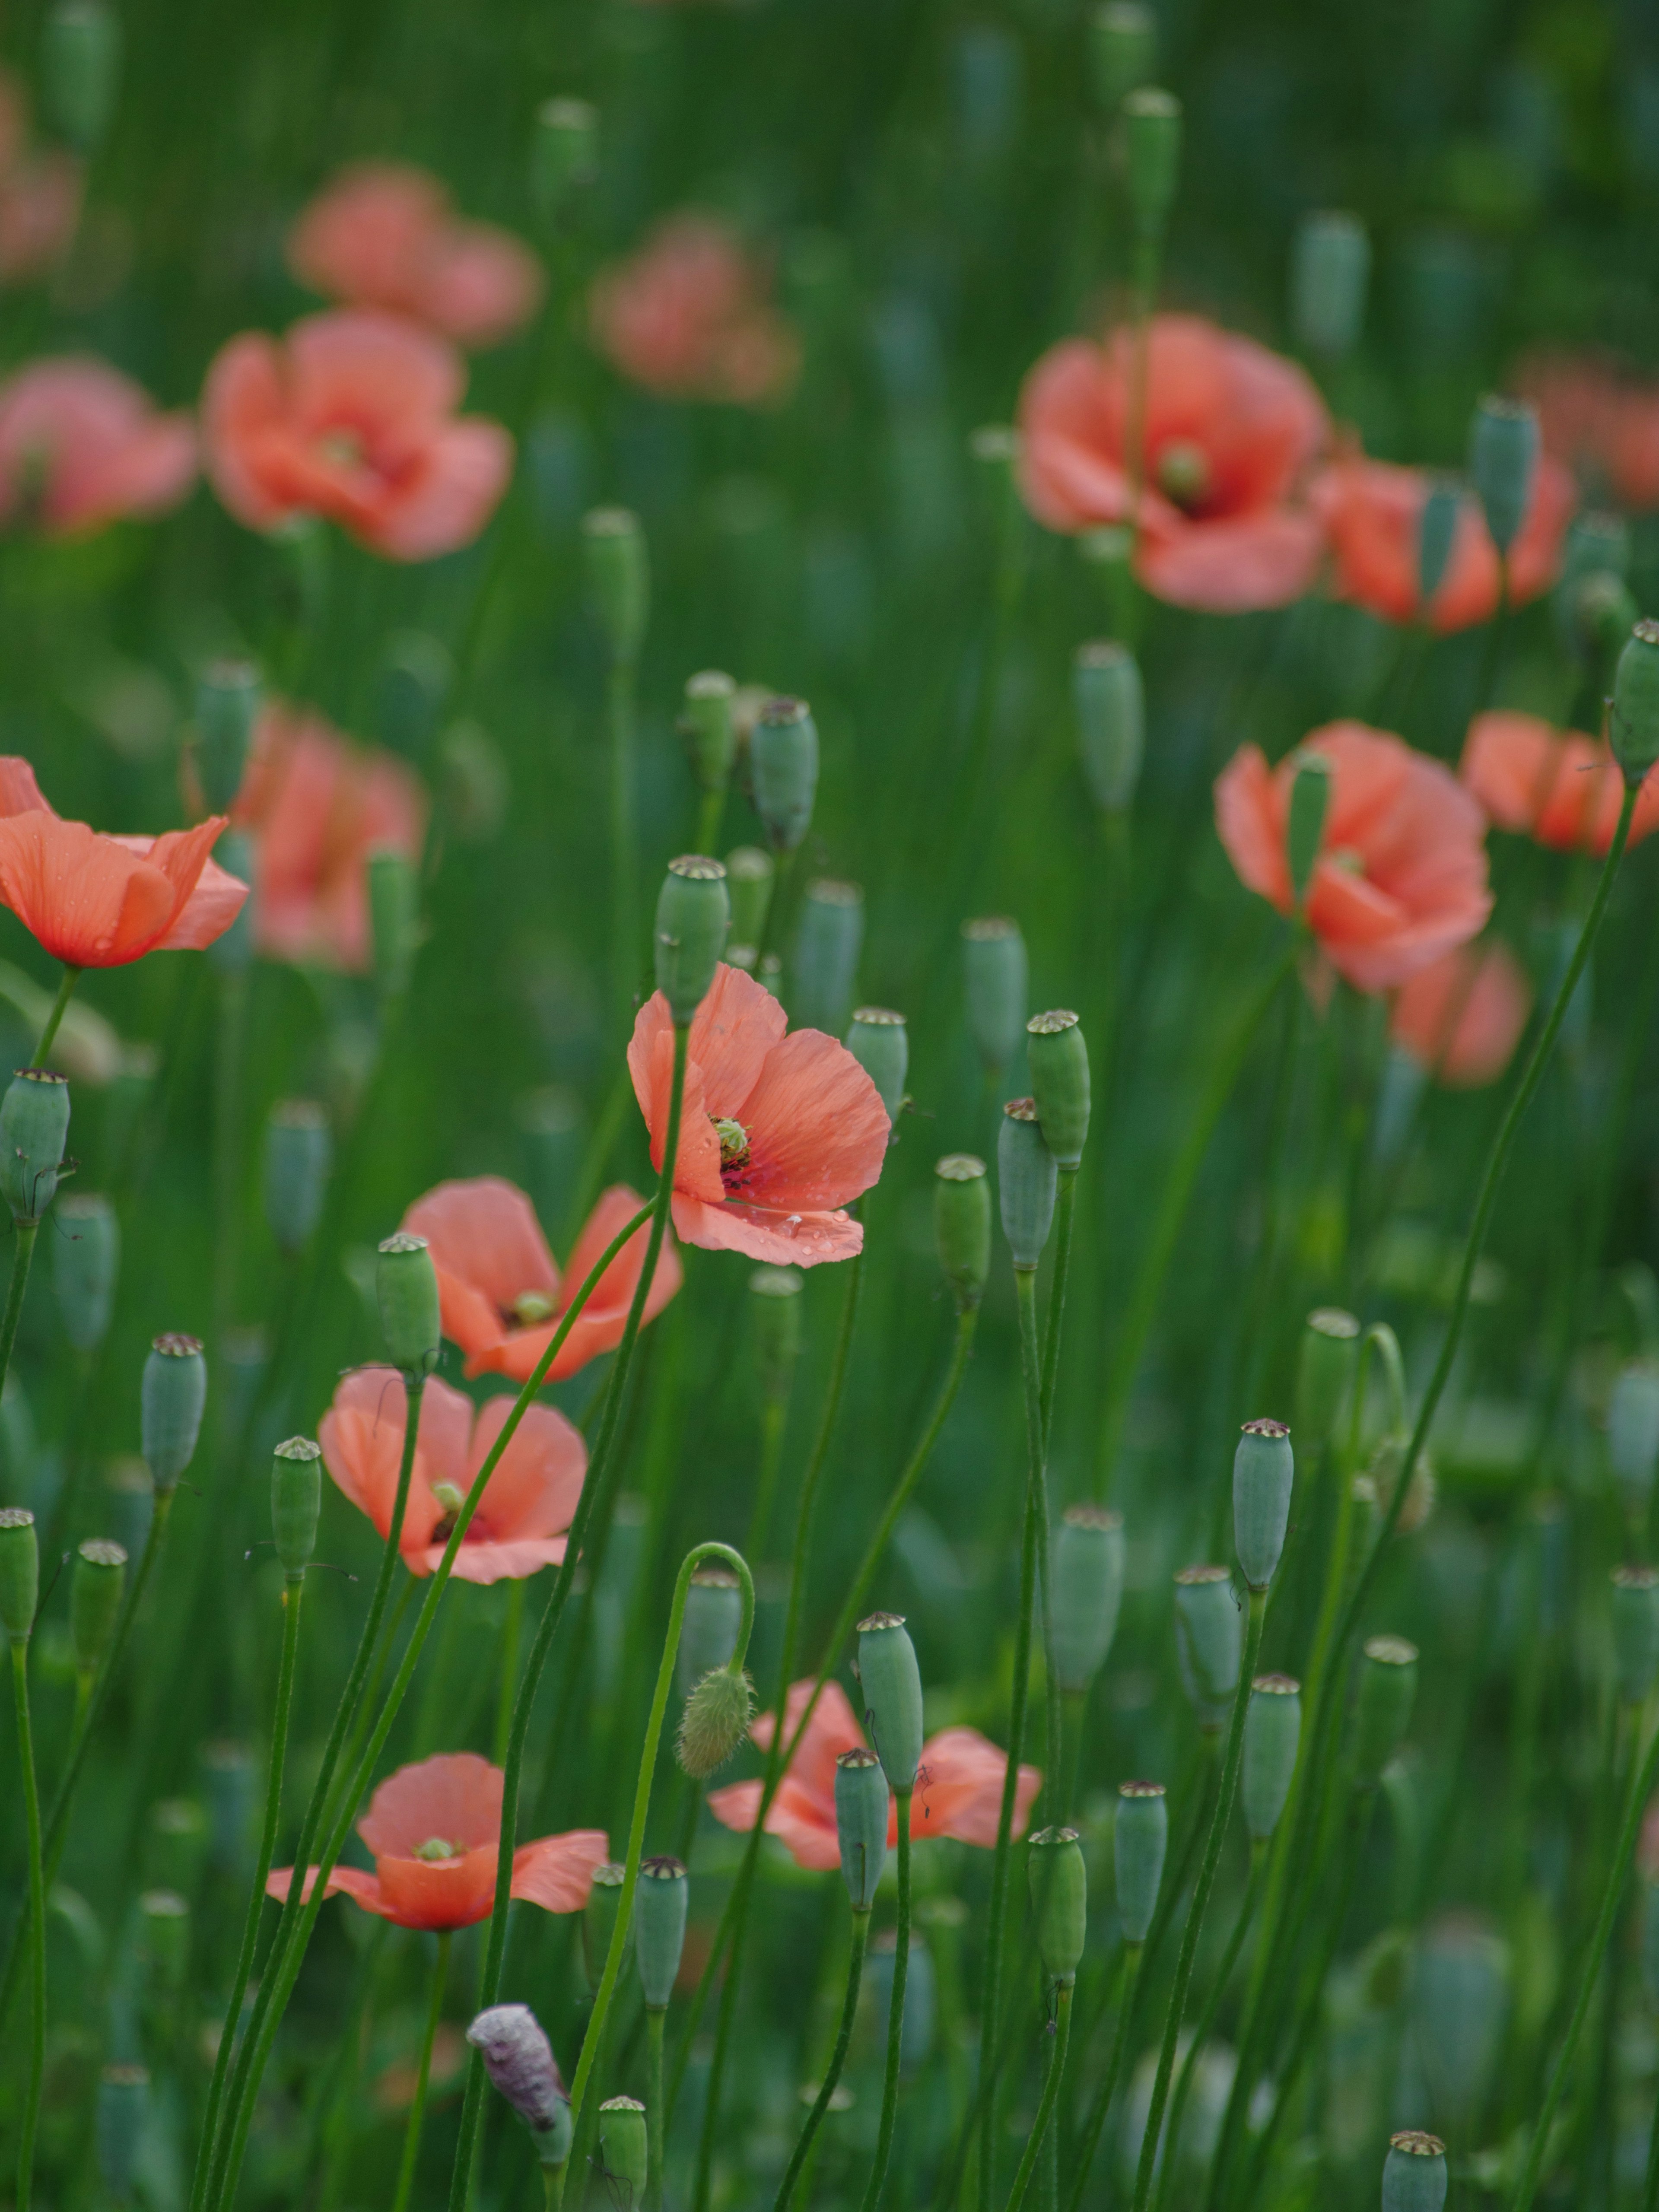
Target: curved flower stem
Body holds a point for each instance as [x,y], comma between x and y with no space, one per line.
[422,2076]
[814,2121]
[71,976]
[1206,2021]
[22,1255]
[1094,2126]
[19,1683]
[1059,2030]
[895,2012]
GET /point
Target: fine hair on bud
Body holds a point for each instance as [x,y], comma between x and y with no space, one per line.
[715,1720]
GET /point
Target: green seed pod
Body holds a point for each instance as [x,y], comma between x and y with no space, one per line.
[1264,1470]
[1058,1061]
[962,1226]
[172,1399]
[565,153]
[993,969]
[880,1041]
[775,1313]
[1633,724]
[622,2148]
[406,1286]
[81,70]
[1273,1736]
[715,1720]
[417,678]
[1459,2004]
[228,700]
[660,1904]
[1310,799]
[299,1155]
[1330,269]
[34,1117]
[1383,1704]
[1436,528]
[296,1499]
[1330,1350]
[1086,1588]
[123,2110]
[1633,1430]
[694,913]
[1504,448]
[1152,136]
[1604,614]
[1414,2176]
[86,1259]
[891,1682]
[164,1934]
[1141,1836]
[783,770]
[228,1772]
[1026,1181]
[1109,702]
[861,1820]
[1636,1631]
[231,951]
[827,944]
[618,569]
[1060,1897]
[751,874]
[394,917]
[710,1627]
[1209,1640]
[20,1572]
[599,1918]
[706,724]
[178,1839]
[1122,48]
[96,1587]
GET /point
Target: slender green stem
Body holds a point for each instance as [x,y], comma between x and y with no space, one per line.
[1650,2185]
[625,950]
[655,2018]
[422,2076]
[895,2012]
[1205,2022]
[70,978]
[511,1628]
[1491,657]
[19,1683]
[1065,1216]
[1059,2030]
[710,812]
[773,1414]
[814,2121]
[22,1254]
[1094,2126]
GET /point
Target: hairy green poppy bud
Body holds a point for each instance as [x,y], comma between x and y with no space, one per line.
[1264,1470]
[406,1286]
[1633,724]
[710,1626]
[86,1259]
[1310,798]
[751,874]
[1504,447]
[1122,47]
[618,570]
[164,1934]
[394,919]
[880,1041]
[783,770]
[228,700]
[1330,269]
[861,1810]
[565,153]
[296,1499]
[826,960]
[892,1682]
[1085,1586]
[1209,1640]
[96,1587]
[599,1920]
[1109,702]
[34,1118]
[519,2060]
[1437,530]
[1382,1707]
[962,1226]
[660,1904]
[299,1155]
[1414,2176]
[1059,1895]
[694,913]
[622,2148]
[81,70]
[123,2110]
[1152,132]
[1273,1736]
[173,1397]
[20,1572]
[715,1720]
[1636,1631]
[706,724]
[1026,1181]
[994,970]
[1141,1836]
[774,1316]
[1059,1060]
[1330,1350]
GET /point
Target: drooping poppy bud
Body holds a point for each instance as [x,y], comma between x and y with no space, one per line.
[519,2060]
[783,770]
[20,1572]
[1330,1349]
[622,2147]
[618,570]
[827,944]
[1330,269]
[710,1625]
[1141,1836]
[227,698]
[1151,129]
[394,919]
[694,914]
[1636,1631]
[96,1587]
[1059,1895]
[1310,799]
[750,873]
[299,1155]
[1503,450]
[1109,702]
[34,1118]
[660,1902]
[706,726]
[1209,1640]
[1437,527]
[1272,1735]
[599,1918]
[994,978]
[1415,2174]
[296,1497]
[861,1823]
[565,154]
[406,1287]
[173,1397]
[878,1040]
[892,1682]
[85,1259]
[1382,1707]
[1058,1061]
[1026,1181]
[118,2124]
[1263,1472]
[715,1720]
[81,69]
[1122,48]
[1086,1584]
[1633,724]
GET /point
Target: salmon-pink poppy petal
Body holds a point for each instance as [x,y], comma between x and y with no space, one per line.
[455,1796]
[1248,821]
[737,1804]
[1264,559]
[537,1479]
[486,1562]
[490,1251]
[354,360]
[651,1065]
[798,1240]
[19,792]
[556,1872]
[362,239]
[361,1436]
[732,1032]
[481,284]
[448,497]
[832,1729]
[438,1894]
[1462,1017]
[959,1788]
[817,1129]
[243,401]
[343,1881]
[99,902]
[216,900]
[800,1820]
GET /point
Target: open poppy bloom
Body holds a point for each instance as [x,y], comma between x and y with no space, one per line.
[435,1829]
[958,1789]
[1401,873]
[528,1502]
[1230,433]
[99,902]
[352,417]
[80,446]
[1373,512]
[777,1132]
[1461,1017]
[687,317]
[386,236]
[1558,786]
[1602,423]
[499,1285]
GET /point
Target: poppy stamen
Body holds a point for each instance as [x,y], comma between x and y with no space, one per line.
[734,1145]
[531,1307]
[451,1498]
[1183,473]
[435,1849]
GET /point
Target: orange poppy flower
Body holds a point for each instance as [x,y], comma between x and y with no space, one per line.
[958,1784]
[1461,1017]
[777,1131]
[80,445]
[688,317]
[1557,786]
[1401,874]
[352,417]
[499,1284]
[1230,431]
[1601,422]
[98,901]
[435,1829]
[528,1502]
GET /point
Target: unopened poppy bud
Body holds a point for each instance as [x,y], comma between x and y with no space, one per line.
[1026,1181]
[164,1932]
[783,770]
[1330,1349]
[1633,1430]
[1273,1736]
[81,70]
[406,1286]
[1382,1707]
[715,1720]
[712,1623]
[394,918]
[1263,1471]
[827,943]
[1305,835]
[1636,1631]
[994,973]
[892,1682]
[172,1399]
[862,1809]
[1151,133]
[1059,1895]
[750,873]
[706,726]
[877,1039]
[1086,1587]
[1058,1061]
[694,913]
[1122,47]
[622,2148]
[34,1118]
[299,1155]
[599,1918]
[1109,702]
[96,1587]
[296,1499]
[1437,527]
[1415,2174]
[660,1902]
[1141,1836]
[227,698]
[962,1226]
[1209,1640]
[1633,724]
[618,577]
[86,1259]
[123,2111]
[519,2060]
[1330,269]
[1504,447]
[565,153]
[20,1572]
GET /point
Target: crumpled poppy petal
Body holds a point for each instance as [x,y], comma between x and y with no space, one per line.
[556,1872]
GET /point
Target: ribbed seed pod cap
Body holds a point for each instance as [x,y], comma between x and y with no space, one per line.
[1304,836]
[1636,1631]
[1633,724]
[622,2147]
[86,1261]
[618,570]
[783,770]
[1414,2175]
[706,724]
[878,1040]
[1504,449]
[1330,270]
[1437,527]
[81,69]
[825,968]
[123,2109]
[994,978]
[299,1155]
[1633,1430]
[96,1587]
[962,1226]
[565,153]
[1086,1584]
[1141,1836]
[1027,1179]
[1330,1350]
[34,1118]
[1122,48]
[715,1720]
[1060,1897]
[406,1288]
[519,2060]
[694,914]
[861,1810]
[227,698]
[774,1318]
[660,1902]
[709,1629]
[1109,702]
[1209,1640]
[892,1682]
[394,918]
[750,873]
[1151,133]
[1383,1704]
[296,1499]
[1058,1061]
[1272,1735]
[599,1918]
[1264,1470]
[20,1572]
[172,1400]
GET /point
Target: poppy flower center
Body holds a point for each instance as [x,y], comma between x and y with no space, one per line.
[1183,473]
[343,445]
[531,1307]
[450,1499]
[734,1145]
[436,1848]
[1345,858]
